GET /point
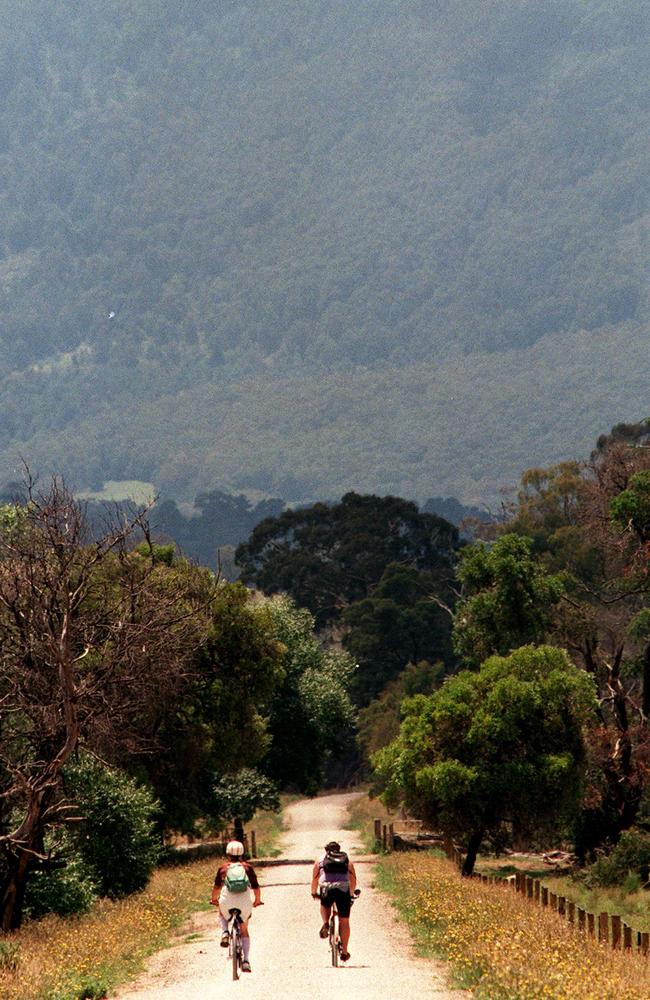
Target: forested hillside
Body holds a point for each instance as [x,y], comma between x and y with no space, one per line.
[305,248]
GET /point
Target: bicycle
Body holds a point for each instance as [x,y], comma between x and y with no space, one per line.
[235,950]
[336,948]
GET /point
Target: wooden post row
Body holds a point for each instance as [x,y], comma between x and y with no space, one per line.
[603,927]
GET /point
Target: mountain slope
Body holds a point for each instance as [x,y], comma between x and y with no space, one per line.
[239,238]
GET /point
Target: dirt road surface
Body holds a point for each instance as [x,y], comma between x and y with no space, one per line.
[289,960]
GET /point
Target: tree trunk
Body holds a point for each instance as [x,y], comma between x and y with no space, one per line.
[646,681]
[13,890]
[472,850]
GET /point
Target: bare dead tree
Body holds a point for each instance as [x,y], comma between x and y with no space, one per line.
[595,625]
[94,637]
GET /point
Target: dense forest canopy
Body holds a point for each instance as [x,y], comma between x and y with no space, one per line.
[242,243]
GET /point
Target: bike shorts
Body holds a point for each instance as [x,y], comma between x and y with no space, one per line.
[235,900]
[339,896]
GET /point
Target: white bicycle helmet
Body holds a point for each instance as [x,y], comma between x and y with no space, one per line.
[235,849]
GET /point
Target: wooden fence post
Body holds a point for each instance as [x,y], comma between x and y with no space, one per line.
[561,905]
[391,837]
[627,937]
[616,930]
[552,900]
[384,839]
[645,942]
[591,925]
[603,926]
[571,911]
[377,833]
[529,887]
[254,843]
[537,885]
[582,918]
[544,896]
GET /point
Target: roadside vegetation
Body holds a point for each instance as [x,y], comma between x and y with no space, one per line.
[55,958]
[61,959]
[500,946]
[361,816]
[628,898]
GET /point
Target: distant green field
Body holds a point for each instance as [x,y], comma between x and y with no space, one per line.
[122,489]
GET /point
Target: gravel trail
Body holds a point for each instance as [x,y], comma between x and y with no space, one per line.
[289,960]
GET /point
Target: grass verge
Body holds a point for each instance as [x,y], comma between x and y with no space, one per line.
[361,816]
[269,827]
[82,958]
[500,946]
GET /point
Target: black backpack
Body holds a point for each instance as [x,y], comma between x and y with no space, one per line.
[336,863]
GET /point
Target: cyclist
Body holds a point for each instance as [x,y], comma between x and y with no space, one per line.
[226,899]
[334,880]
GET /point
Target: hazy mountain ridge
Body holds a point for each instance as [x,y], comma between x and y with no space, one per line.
[261,195]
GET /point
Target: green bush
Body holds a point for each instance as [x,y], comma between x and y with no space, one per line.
[630,857]
[117,838]
[64,890]
[238,796]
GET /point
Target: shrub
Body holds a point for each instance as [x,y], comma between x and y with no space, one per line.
[67,889]
[631,856]
[240,795]
[117,837]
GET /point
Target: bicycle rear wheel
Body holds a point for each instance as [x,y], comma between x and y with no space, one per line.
[334,941]
[236,952]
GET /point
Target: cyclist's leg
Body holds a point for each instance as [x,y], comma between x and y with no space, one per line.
[325,912]
[343,905]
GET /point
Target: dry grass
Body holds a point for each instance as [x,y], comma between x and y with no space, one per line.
[68,959]
[500,945]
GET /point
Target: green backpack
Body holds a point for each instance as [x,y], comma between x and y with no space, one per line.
[236,878]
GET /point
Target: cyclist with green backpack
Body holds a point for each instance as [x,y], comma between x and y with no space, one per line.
[231,891]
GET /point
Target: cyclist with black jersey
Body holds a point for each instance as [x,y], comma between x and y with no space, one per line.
[334,880]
